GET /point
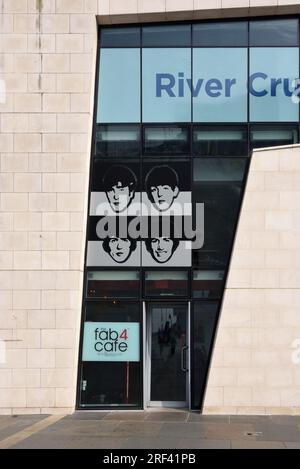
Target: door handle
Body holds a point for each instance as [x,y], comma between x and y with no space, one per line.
[183,358]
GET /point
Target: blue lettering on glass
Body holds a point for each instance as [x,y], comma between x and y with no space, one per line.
[195,91]
[166,82]
[253,77]
[162,85]
[286,88]
[214,88]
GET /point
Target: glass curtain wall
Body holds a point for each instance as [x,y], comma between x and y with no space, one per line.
[178,109]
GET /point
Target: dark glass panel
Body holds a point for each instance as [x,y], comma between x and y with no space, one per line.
[208,284]
[274,33]
[165,36]
[220,141]
[120,37]
[111,383]
[202,327]
[168,351]
[217,184]
[112,283]
[272,135]
[116,141]
[166,283]
[230,33]
[166,141]
[113,311]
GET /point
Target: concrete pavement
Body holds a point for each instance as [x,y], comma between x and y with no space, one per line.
[154,429]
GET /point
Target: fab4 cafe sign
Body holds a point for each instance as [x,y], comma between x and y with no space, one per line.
[111,342]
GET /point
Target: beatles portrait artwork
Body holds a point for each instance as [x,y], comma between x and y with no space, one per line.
[136,215]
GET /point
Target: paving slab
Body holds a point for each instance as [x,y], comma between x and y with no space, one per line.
[150,443]
[128,429]
[181,430]
[68,442]
[82,415]
[242,444]
[14,425]
[285,419]
[265,419]
[232,431]
[167,417]
[273,432]
[126,416]
[195,443]
[81,427]
[196,417]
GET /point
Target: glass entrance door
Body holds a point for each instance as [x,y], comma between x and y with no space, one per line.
[168,354]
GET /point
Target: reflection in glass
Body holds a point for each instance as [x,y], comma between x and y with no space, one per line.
[168,354]
[227,34]
[110,383]
[218,184]
[203,322]
[165,36]
[207,284]
[120,37]
[274,32]
[116,141]
[220,141]
[113,311]
[113,283]
[166,283]
[166,140]
[272,135]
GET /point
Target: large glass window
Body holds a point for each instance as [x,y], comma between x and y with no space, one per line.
[283,32]
[272,73]
[219,85]
[272,135]
[166,140]
[172,35]
[119,86]
[164,100]
[110,384]
[117,141]
[227,34]
[120,37]
[220,141]
[166,283]
[111,355]
[207,284]
[218,184]
[113,284]
[203,323]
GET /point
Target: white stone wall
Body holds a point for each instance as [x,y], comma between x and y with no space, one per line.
[47,64]
[256,360]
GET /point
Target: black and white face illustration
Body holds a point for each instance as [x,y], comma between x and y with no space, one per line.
[161,249]
[119,249]
[162,186]
[119,183]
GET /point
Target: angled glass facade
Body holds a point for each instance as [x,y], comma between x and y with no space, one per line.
[178,110]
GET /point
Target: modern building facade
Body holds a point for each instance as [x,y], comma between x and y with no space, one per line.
[150,194]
